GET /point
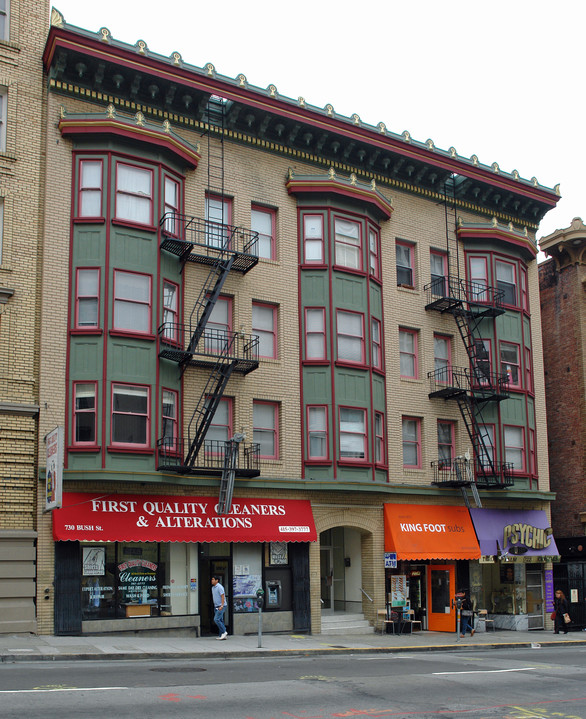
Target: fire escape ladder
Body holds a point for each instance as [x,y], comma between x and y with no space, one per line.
[474,422]
[216,119]
[205,409]
[451,223]
[228,473]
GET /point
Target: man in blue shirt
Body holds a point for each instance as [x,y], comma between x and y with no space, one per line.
[219,599]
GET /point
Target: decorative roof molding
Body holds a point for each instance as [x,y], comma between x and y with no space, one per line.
[334,184]
[567,246]
[493,230]
[136,127]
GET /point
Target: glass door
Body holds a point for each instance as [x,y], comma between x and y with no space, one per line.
[441,615]
[535,601]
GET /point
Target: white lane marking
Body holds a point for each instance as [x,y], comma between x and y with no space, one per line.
[46,691]
[489,671]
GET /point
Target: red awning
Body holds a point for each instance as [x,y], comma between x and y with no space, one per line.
[99,517]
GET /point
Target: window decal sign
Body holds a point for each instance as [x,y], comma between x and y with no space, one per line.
[157,518]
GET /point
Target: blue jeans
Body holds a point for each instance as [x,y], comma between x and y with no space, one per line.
[219,620]
[465,624]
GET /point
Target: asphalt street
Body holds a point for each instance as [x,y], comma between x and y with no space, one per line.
[501,684]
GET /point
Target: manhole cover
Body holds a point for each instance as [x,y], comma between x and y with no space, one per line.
[178,669]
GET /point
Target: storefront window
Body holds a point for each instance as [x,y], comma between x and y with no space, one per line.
[122,580]
[500,587]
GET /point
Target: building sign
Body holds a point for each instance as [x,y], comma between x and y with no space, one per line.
[390,560]
[156,518]
[54,468]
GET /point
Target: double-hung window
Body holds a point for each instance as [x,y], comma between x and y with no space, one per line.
[506,281]
[313,239]
[445,443]
[524,290]
[439,271]
[87,298]
[408,353]
[510,363]
[350,336]
[170,311]
[220,430]
[4,20]
[90,188]
[265,420]
[317,432]
[264,324]
[405,256]
[379,438]
[481,362]
[352,434]
[132,302]
[376,350]
[263,221]
[374,253]
[442,359]
[218,215]
[169,416]
[84,413]
[134,194]
[411,435]
[528,371]
[348,251]
[130,415]
[532,458]
[217,331]
[485,444]
[315,333]
[171,209]
[478,287]
[514,439]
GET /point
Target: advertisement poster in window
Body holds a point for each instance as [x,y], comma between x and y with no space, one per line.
[399,590]
[245,586]
[278,553]
[94,561]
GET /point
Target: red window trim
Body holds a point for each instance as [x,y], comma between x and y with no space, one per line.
[513,264]
[353,460]
[274,331]
[89,218]
[411,247]
[324,354]
[444,258]
[415,354]
[230,426]
[168,207]
[382,438]
[532,453]
[523,448]
[321,240]
[441,336]
[524,288]
[343,360]
[272,212]
[376,274]
[491,427]
[90,446]
[86,328]
[519,384]
[528,359]
[475,280]
[452,425]
[345,268]
[326,459]
[274,430]
[174,337]
[117,192]
[417,420]
[148,334]
[176,433]
[125,446]
[381,361]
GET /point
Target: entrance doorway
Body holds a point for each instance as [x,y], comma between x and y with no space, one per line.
[326,573]
[207,569]
[441,587]
[341,570]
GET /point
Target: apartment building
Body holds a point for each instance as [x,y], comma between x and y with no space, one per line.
[23,30]
[290,349]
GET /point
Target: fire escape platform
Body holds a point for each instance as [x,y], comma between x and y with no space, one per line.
[209,462]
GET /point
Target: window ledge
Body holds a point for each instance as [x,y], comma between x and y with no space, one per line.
[88,331]
[351,365]
[89,220]
[315,362]
[79,448]
[318,462]
[132,335]
[349,270]
[130,450]
[134,225]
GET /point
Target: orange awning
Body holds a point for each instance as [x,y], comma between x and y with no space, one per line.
[425,531]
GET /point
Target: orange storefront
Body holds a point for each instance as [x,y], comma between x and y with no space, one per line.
[428,540]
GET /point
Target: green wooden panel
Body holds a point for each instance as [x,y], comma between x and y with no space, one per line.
[509,326]
[133,250]
[314,288]
[131,462]
[84,461]
[354,474]
[352,387]
[376,302]
[132,361]
[85,360]
[317,385]
[527,331]
[531,412]
[378,393]
[89,245]
[323,474]
[349,292]
[513,410]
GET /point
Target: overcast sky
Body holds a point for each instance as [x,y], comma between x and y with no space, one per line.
[502,80]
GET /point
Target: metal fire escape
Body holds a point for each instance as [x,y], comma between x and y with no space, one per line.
[224,249]
[475,386]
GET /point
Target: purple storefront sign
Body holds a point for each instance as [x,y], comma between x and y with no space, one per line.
[548,590]
[524,533]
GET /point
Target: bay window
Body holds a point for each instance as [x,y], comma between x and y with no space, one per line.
[315,333]
[376,344]
[352,433]
[171,209]
[350,336]
[87,298]
[132,302]
[485,445]
[84,413]
[348,249]
[313,239]
[379,438]
[90,188]
[169,414]
[317,432]
[170,311]
[134,194]
[478,288]
[130,415]
[510,363]
[374,253]
[506,281]
[514,441]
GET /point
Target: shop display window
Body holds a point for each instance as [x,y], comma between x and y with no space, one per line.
[121,580]
[500,587]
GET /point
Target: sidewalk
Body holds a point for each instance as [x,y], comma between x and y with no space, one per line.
[28,647]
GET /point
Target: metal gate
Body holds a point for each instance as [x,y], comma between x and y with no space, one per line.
[67,588]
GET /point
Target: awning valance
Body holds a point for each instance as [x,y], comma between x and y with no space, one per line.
[156,518]
[521,535]
[422,531]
